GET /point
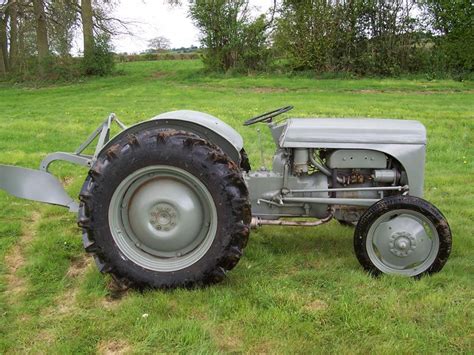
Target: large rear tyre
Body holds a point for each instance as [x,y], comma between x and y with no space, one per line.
[402,235]
[165,209]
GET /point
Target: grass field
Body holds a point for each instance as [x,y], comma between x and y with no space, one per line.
[295,290]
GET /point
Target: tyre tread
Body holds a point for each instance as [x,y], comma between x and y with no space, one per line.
[403,202]
[213,160]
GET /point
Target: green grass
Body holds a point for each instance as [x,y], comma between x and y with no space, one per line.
[295,290]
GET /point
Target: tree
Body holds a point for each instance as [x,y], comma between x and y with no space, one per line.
[159,44]
[3,39]
[362,36]
[13,55]
[41,31]
[3,69]
[232,39]
[64,20]
[98,28]
[87,28]
[453,29]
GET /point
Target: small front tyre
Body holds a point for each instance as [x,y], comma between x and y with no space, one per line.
[402,235]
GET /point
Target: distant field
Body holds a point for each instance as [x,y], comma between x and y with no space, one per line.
[295,290]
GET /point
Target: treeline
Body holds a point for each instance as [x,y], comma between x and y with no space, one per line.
[36,38]
[364,37]
[367,37]
[169,55]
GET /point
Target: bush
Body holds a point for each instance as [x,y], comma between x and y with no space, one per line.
[101,62]
[231,38]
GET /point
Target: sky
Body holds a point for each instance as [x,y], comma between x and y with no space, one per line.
[153,18]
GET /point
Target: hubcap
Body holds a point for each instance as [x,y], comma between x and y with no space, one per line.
[163,218]
[402,242]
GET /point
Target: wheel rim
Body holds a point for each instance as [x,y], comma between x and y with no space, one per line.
[163,218]
[402,242]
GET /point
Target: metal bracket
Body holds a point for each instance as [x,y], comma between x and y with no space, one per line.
[40,185]
[78,158]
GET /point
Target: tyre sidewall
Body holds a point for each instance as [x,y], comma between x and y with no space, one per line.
[409,203]
[194,156]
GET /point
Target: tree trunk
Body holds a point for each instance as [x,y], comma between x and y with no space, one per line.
[3,43]
[13,59]
[87,28]
[2,65]
[41,30]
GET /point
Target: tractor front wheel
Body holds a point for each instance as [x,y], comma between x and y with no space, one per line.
[165,209]
[402,235]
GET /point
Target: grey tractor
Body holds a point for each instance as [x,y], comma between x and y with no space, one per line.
[170,202]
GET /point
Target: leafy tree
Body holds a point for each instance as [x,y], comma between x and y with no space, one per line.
[452,23]
[36,36]
[63,20]
[42,44]
[364,36]
[159,44]
[231,38]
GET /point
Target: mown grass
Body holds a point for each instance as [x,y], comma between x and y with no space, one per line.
[295,290]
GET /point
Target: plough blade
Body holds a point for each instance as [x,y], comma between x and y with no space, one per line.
[35,185]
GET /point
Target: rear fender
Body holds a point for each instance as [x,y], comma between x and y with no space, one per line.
[204,125]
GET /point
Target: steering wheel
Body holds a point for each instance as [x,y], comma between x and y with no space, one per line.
[267,117]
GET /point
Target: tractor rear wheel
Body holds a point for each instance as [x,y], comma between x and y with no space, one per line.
[165,209]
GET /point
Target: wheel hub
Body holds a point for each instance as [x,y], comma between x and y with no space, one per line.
[163,216]
[402,244]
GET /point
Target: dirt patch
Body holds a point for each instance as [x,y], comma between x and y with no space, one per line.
[115,296]
[79,266]
[45,337]
[111,302]
[265,90]
[409,92]
[227,343]
[66,303]
[265,347]
[15,260]
[113,347]
[315,306]
[68,180]
[159,74]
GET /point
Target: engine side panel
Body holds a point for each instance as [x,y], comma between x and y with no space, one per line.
[356,159]
[401,139]
[410,156]
[264,186]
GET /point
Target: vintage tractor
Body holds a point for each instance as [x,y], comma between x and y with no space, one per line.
[170,202]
